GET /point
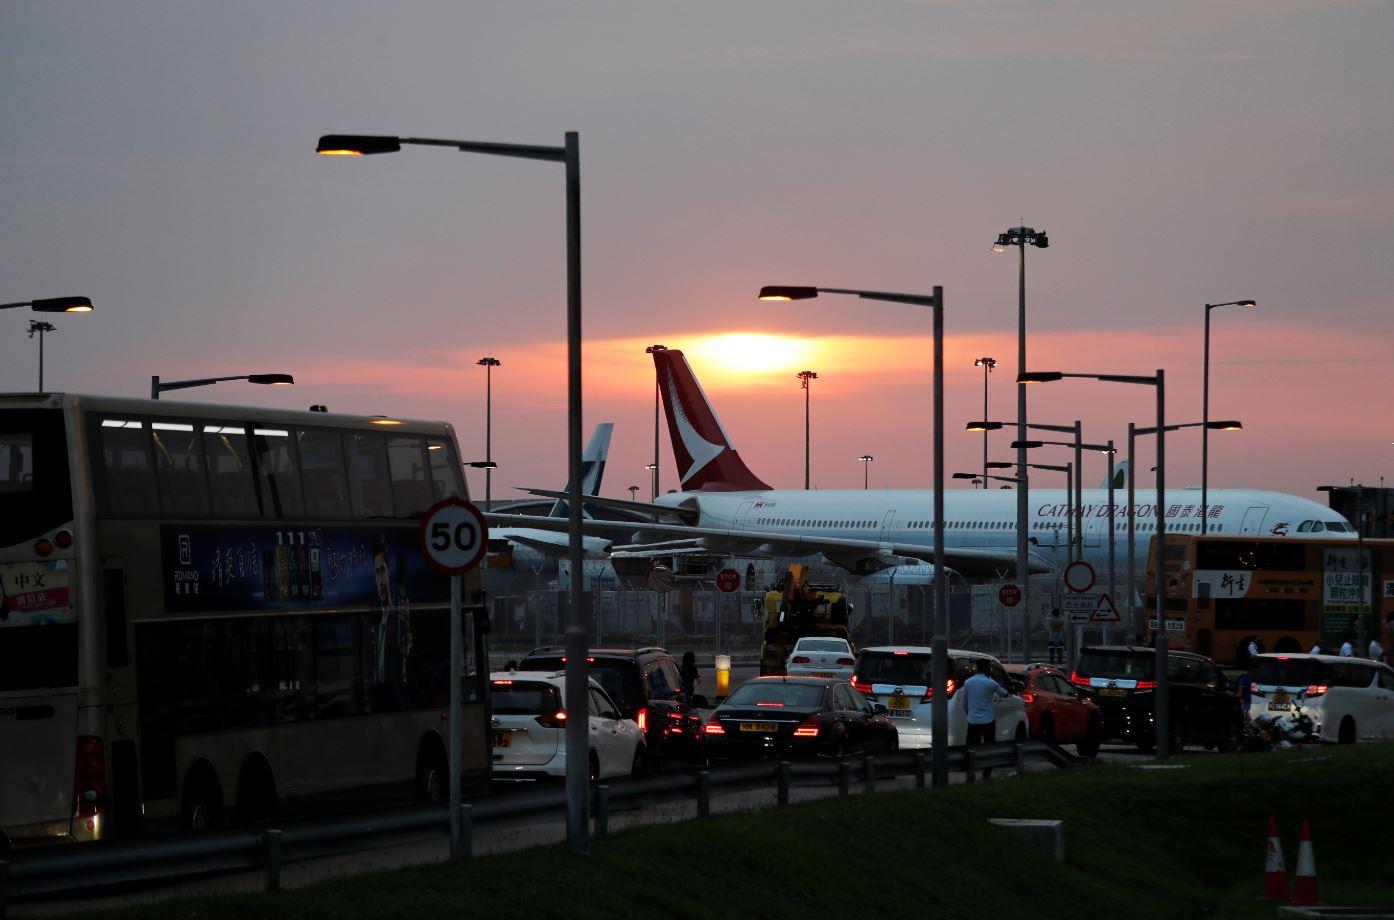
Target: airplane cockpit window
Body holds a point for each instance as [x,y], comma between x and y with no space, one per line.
[1317,527]
[1305,527]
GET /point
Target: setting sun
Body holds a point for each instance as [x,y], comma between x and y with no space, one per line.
[746,354]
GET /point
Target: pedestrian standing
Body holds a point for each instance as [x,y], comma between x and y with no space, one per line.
[1317,650]
[1244,686]
[1348,646]
[688,674]
[979,695]
[1055,624]
[1376,650]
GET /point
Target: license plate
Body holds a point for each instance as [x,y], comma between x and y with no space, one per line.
[503,739]
[759,727]
[1112,691]
[1280,696]
[898,702]
[1278,707]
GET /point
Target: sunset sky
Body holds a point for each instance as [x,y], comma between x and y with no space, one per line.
[159,158]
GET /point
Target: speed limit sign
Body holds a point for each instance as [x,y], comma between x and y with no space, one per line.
[453,536]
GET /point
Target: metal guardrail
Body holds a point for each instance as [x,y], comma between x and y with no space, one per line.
[85,867]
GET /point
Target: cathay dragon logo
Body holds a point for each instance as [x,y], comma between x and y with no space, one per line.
[698,448]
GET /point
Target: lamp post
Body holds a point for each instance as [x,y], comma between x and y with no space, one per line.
[806,376]
[577,701]
[1021,237]
[48,305]
[866,470]
[939,644]
[657,398]
[1205,414]
[1161,716]
[40,326]
[987,364]
[158,386]
[633,493]
[1077,512]
[489,363]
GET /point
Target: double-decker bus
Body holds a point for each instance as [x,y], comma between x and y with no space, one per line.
[1285,593]
[214,614]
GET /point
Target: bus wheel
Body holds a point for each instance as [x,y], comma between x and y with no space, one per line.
[432,773]
[203,799]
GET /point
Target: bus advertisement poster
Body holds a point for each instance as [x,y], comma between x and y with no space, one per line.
[35,594]
[209,569]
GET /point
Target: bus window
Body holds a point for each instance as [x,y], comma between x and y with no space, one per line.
[35,492]
[370,485]
[130,482]
[179,469]
[322,471]
[234,492]
[411,489]
[445,469]
[276,469]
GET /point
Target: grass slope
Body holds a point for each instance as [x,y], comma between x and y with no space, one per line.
[1139,843]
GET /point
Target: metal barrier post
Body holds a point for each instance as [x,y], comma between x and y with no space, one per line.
[844,777]
[271,848]
[466,831]
[869,773]
[970,765]
[919,769]
[783,783]
[1020,757]
[704,794]
[4,886]
[602,810]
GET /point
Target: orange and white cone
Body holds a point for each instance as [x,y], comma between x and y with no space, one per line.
[1275,873]
[1304,888]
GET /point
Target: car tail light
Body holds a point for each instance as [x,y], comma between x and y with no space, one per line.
[43,546]
[503,683]
[713,727]
[1147,685]
[89,778]
[1028,698]
[801,659]
[861,686]
[1078,679]
[1316,689]
[810,727]
[950,687]
[64,539]
[774,705]
[846,661]
[553,720]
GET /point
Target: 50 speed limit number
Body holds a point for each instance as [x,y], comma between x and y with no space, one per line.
[453,536]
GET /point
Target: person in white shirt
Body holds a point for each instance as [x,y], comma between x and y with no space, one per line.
[1376,650]
[1347,648]
[1317,650]
[979,694]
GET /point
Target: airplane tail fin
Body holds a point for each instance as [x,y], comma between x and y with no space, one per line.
[1121,471]
[592,467]
[705,457]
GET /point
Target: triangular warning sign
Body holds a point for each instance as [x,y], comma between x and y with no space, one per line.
[1105,612]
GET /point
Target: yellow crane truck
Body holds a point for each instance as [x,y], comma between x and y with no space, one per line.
[795,608]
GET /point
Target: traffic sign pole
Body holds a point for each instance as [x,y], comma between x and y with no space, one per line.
[454,758]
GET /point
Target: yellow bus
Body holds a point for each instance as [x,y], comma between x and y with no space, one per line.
[1284,594]
[214,614]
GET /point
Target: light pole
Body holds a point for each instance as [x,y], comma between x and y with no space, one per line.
[866,468]
[1077,508]
[40,326]
[987,364]
[158,386]
[1205,415]
[48,305]
[805,377]
[489,363]
[939,644]
[1021,237]
[1161,717]
[577,701]
[633,493]
[657,397]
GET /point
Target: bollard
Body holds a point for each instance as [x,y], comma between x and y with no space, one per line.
[844,777]
[467,831]
[869,773]
[783,783]
[919,770]
[602,810]
[4,886]
[723,675]
[1020,757]
[704,794]
[271,850]
[970,765]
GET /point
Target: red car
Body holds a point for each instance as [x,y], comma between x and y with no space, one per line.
[1055,710]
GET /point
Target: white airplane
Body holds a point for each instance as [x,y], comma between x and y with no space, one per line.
[724,508]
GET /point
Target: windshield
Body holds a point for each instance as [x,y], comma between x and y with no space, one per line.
[35,492]
[1125,665]
[881,668]
[824,645]
[619,677]
[772,693]
[1289,672]
[520,699]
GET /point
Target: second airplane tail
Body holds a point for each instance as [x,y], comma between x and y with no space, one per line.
[705,457]
[592,467]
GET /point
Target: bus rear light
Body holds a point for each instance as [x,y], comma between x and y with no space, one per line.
[63,538]
[810,727]
[89,778]
[553,720]
[43,546]
[1316,689]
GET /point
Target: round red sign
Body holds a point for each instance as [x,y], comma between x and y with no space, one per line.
[728,580]
[1009,595]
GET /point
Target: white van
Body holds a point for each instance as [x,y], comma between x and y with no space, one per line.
[1346,698]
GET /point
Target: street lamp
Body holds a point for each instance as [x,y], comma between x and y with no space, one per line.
[805,376]
[1021,237]
[1161,721]
[633,493]
[53,305]
[1205,413]
[40,326]
[866,468]
[657,397]
[939,656]
[987,364]
[1077,530]
[488,363]
[158,386]
[577,701]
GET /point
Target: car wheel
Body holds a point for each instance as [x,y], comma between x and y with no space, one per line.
[641,761]
[1145,744]
[1093,735]
[1046,730]
[1176,741]
[1346,735]
[203,801]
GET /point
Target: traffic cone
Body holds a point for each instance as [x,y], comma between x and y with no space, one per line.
[1275,874]
[1304,889]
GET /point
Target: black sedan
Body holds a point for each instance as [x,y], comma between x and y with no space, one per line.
[798,715]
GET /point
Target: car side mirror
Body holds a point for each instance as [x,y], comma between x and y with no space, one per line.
[879,708]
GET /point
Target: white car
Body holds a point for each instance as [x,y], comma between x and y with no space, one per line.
[821,656]
[529,728]
[899,677]
[1346,698]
